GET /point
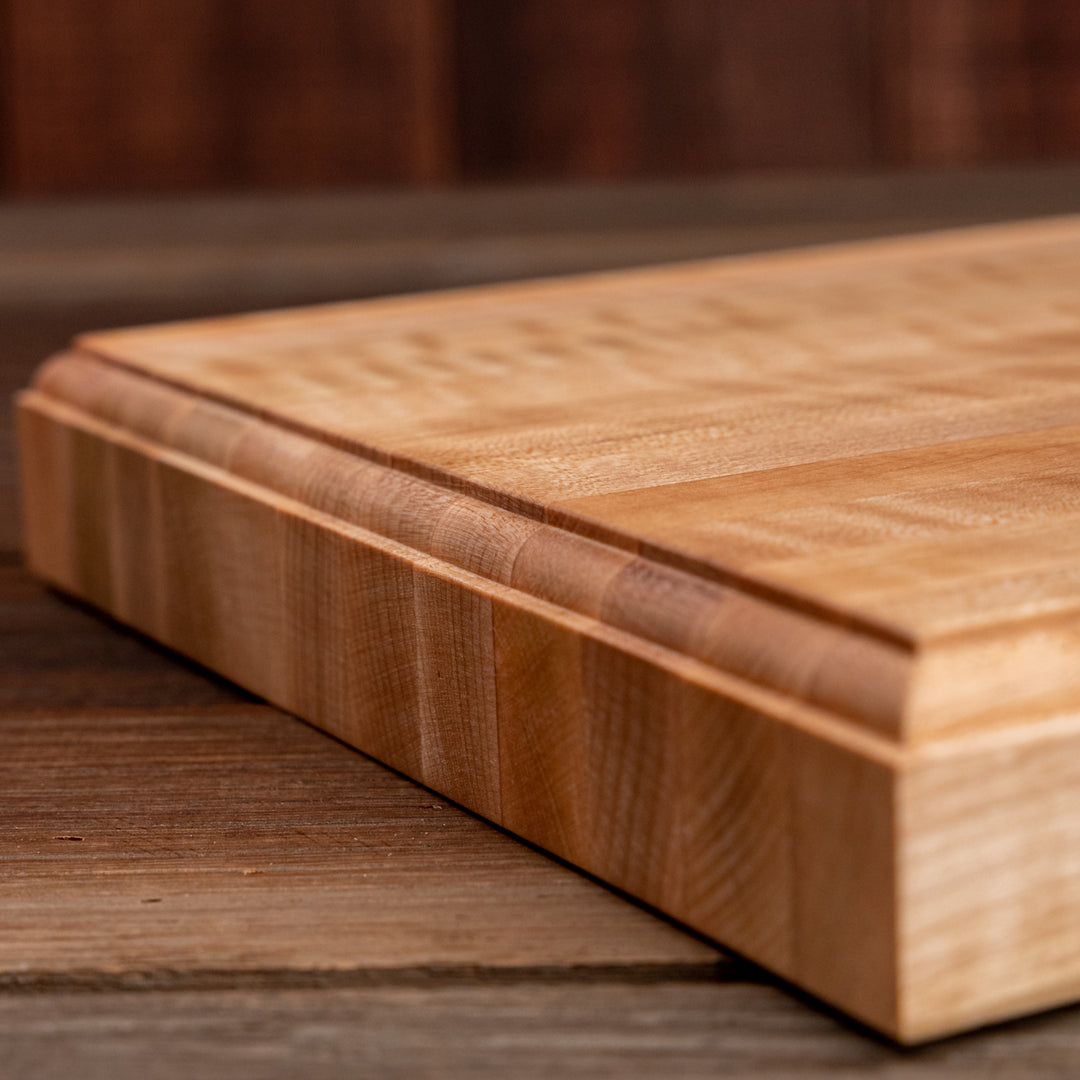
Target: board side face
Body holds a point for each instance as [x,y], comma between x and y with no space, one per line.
[882,435]
[988,890]
[743,817]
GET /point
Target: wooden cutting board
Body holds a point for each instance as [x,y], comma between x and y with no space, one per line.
[751,586]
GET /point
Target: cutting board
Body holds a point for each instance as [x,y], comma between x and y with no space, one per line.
[750,586]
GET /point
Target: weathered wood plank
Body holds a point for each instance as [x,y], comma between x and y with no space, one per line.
[526,1029]
[163,845]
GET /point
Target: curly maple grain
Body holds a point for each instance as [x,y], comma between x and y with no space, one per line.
[750,587]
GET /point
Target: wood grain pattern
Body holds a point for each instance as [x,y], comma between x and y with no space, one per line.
[56,656]
[744,585]
[65,267]
[238,93]
[150,848]
[681,87]
[971,80]
[209,95]
[679,1017]
[684,1031]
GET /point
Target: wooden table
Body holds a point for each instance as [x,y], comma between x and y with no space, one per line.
[196,881]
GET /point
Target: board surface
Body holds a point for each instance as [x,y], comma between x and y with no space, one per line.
[750,586]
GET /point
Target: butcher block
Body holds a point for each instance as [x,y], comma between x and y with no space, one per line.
[750,586]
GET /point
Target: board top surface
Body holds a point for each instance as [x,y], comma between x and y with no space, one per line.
[885,432]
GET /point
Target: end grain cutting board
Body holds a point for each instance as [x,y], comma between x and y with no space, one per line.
[751,586]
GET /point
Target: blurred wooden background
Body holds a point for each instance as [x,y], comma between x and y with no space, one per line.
[125,95]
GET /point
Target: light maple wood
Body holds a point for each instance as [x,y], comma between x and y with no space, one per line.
[67,266]
[748,586]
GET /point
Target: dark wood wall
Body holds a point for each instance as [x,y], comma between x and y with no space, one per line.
[136,95]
